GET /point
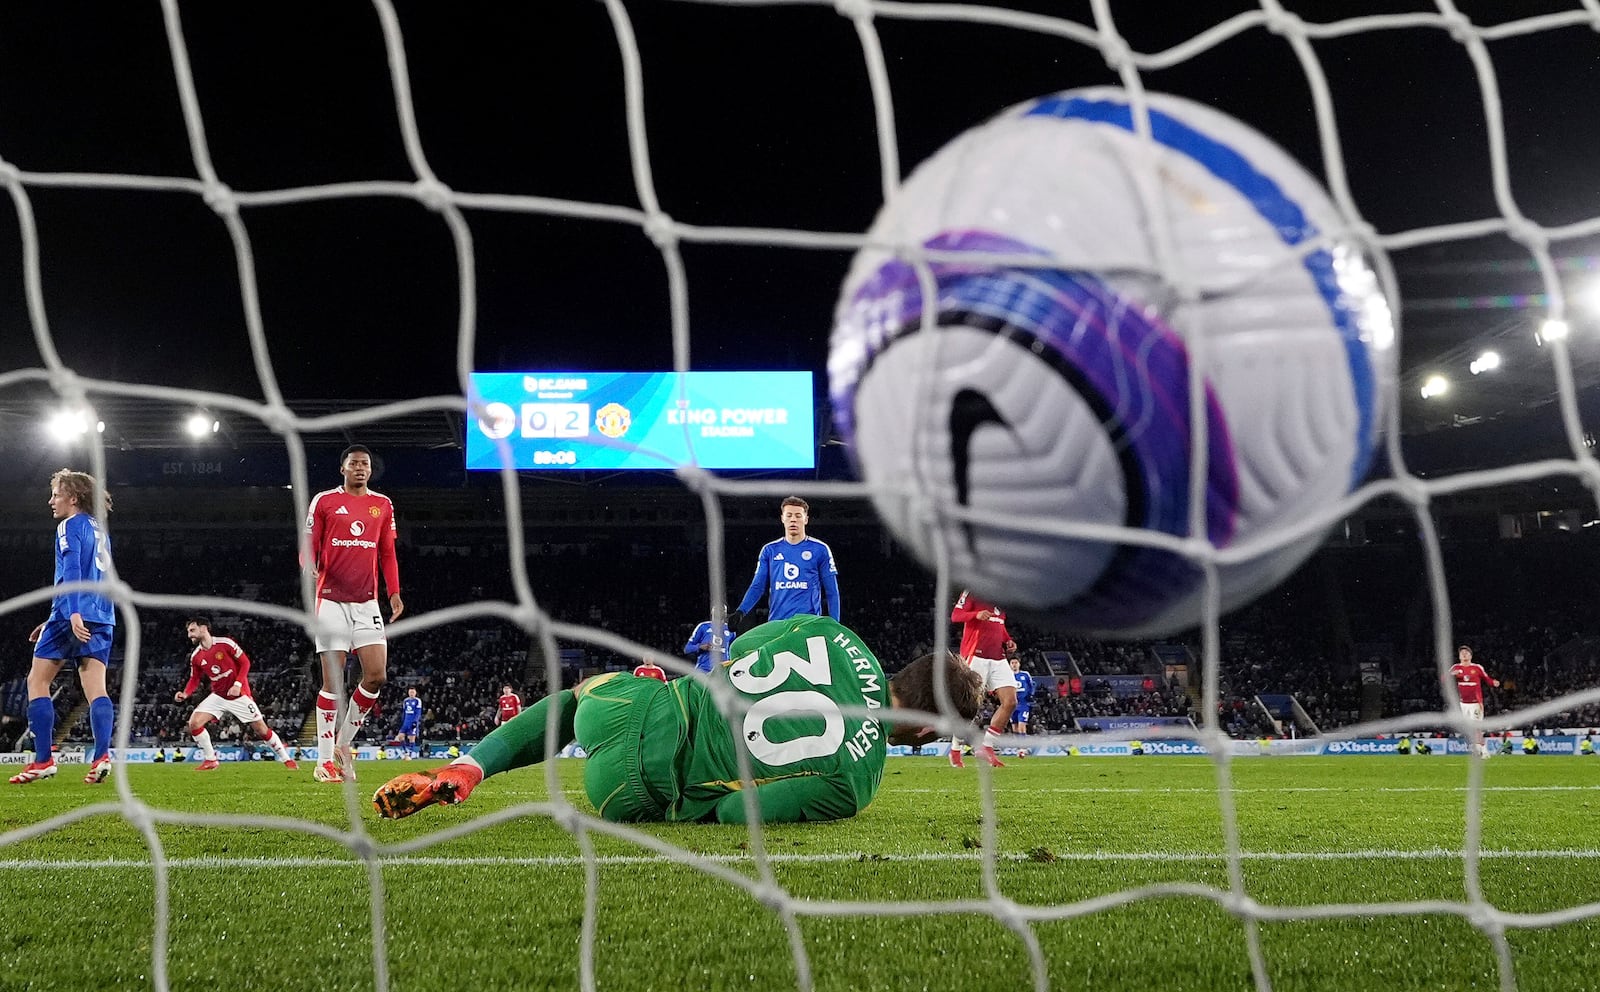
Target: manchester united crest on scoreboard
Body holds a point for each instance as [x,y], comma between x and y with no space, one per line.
[613,420]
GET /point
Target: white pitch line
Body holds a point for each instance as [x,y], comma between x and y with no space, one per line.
[571,861]
[1196,790]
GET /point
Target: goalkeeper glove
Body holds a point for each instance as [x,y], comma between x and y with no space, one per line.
[737,621]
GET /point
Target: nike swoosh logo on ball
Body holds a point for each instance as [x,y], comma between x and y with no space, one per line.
[969,410]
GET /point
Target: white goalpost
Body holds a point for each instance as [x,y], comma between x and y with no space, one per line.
[671,228]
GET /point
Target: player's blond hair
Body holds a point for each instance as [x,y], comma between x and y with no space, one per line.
[79,486]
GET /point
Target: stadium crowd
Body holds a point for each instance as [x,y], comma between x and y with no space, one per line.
[1349,636]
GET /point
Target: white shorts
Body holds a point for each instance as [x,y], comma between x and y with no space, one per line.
[347,626]
[996,673]
[243,708]
[1472,711]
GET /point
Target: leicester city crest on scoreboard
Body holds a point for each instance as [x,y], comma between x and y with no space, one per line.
[613,420]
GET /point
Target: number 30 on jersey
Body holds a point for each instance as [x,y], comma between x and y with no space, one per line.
[790,703]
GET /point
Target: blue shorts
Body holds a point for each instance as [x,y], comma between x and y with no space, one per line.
[409,728]
[58,643]
[1020,714]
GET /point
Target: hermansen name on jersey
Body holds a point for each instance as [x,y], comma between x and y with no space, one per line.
[870,729]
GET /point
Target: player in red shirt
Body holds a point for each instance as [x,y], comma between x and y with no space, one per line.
[1470,678]
[223,662]
[352,533]
[650,670]
[984,643]
[510,705]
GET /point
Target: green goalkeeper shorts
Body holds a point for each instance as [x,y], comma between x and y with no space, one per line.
[631,729]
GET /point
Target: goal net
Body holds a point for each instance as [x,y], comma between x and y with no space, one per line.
[680,126]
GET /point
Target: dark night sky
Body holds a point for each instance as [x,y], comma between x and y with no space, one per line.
[759,116]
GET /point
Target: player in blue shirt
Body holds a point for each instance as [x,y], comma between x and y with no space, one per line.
[79,629]
[411,721]
[706,648]
[795,569]
[1019,716]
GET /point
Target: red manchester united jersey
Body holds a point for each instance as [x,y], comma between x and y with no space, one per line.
[352,540]
[1470,679]
[649,671]
[510,706]
[984,638]
[224,663]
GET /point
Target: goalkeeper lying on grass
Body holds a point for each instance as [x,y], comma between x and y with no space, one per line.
[663,751]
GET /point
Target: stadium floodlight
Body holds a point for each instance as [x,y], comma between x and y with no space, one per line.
[199,425]
[1551,330]
[1486,362]
[1435,385]
[64,425]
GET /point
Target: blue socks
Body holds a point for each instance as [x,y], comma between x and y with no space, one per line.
[42,721]
[101,720]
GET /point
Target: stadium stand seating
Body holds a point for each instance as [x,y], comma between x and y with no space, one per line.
[1348,636]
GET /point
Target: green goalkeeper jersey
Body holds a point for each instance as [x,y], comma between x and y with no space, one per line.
[809,757]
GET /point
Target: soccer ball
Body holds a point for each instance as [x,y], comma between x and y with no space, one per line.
[1058,390]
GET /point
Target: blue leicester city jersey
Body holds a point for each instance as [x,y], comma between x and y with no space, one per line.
[1024,687]
[702,642]
[794,576]
[83,554]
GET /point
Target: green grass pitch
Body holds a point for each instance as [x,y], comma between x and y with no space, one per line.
[256,906]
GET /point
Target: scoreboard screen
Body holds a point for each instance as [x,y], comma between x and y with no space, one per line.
[641,420]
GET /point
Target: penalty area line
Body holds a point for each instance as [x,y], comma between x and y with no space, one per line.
[572,861]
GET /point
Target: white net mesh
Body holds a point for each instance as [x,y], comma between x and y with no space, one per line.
[1098,37]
